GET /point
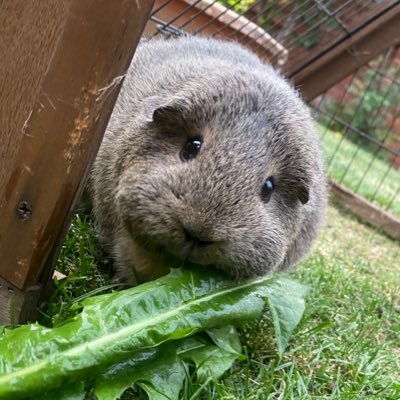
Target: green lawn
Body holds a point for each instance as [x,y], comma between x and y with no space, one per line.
[347,345]
[344,149]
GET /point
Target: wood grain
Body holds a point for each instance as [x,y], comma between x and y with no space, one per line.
[27,41]
[369,213]
[54,108]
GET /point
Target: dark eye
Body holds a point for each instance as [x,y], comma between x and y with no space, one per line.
[191,149]
[267,189]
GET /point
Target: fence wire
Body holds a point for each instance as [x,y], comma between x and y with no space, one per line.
[360,131]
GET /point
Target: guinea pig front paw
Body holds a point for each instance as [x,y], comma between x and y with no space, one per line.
[124,280]
[135,264]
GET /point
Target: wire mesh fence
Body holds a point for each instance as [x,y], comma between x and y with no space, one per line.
[360,130]
[358,118]
[289,33]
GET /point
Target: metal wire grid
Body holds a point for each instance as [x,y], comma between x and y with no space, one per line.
[369,167]
[304,28]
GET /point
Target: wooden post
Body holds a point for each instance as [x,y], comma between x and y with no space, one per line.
[62,63]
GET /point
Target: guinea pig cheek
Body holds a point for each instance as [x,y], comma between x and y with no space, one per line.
[255,245]
[259,255]
[145,208]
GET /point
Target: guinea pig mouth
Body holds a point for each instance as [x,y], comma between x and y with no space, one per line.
[199,253]
[194,251]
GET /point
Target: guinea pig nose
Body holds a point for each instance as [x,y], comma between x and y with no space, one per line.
[195,239]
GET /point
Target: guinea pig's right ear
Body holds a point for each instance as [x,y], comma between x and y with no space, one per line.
[152,105]
[164,111]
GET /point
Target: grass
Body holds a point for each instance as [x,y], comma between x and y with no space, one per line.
[87,270]
[347,346]
[381,183]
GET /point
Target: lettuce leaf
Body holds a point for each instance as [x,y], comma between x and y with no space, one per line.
[135,335]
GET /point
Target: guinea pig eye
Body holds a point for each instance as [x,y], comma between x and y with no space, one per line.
[191,149]
[267,189]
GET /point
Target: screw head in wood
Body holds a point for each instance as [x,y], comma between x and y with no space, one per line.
[24,210]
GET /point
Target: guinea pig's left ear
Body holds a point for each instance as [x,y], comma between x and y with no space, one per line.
[301,178]
[303,192]
[296,188]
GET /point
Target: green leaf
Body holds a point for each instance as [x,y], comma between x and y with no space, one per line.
[76,391]
[227,338]
[211,361]
[286,301]
[126,326]
[155,370]
[161,372]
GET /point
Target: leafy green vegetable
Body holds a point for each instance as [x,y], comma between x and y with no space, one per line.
[286,301]
[161,371]
[134,336]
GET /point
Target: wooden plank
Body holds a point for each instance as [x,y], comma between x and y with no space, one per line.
[17,305]
[366,211]
[82,54]
[25,33]
[352,53]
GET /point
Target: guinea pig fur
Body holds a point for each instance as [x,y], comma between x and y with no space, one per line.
[210,157]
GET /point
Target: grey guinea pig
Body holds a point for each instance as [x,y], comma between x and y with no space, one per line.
[210,157]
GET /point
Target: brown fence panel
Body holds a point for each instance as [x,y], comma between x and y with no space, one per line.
[62,63]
